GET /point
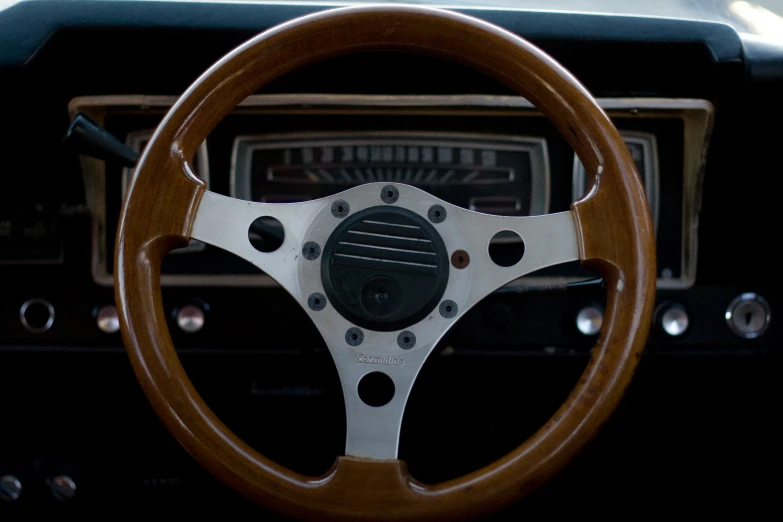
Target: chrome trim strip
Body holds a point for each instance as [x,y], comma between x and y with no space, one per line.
[312,101]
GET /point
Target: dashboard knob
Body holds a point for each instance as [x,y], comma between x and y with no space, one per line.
[10,488]
[673,319]
[108,319]
[63,487]
[190,318]
[748,315]
[589,320]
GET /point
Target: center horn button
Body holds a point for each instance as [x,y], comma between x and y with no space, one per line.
[385,268]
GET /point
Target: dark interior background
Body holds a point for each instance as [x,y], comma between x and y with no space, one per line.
[697,433]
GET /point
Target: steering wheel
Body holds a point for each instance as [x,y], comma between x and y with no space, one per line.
[384,270]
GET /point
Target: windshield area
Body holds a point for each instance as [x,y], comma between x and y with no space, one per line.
[760,17]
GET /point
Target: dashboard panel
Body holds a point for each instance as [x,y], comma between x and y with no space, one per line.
[493,154]
[699,403]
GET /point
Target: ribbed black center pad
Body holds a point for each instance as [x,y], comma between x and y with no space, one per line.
[384,268]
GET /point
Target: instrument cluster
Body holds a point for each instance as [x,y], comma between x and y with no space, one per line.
[494,154]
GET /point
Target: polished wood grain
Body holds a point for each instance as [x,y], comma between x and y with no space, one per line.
[615,233]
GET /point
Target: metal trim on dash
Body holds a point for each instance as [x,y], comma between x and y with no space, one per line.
[697,115]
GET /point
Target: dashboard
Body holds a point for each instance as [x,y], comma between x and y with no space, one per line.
[693,100]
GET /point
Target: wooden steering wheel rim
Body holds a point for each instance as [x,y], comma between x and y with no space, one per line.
[613,225]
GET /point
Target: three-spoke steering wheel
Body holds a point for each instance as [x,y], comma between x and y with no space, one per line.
[384,269]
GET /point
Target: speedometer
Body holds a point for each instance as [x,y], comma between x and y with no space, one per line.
[493,174]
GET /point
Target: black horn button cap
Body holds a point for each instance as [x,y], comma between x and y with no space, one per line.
[384,268]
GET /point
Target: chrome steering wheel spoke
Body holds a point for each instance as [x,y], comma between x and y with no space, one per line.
[455,245]
[224,222]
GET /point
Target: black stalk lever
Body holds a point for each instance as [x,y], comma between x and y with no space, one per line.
[84,136]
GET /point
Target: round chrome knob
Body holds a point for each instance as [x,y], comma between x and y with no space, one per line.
[190,318]
[748,315]
[37,315]
[10,488]
[63,487]
[674,319]
[108,319]
[589,320]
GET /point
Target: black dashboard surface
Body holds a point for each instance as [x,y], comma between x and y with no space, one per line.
[697,433]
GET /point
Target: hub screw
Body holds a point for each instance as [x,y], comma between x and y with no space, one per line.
[460,259]
[390,194]
[354,336]
[448,309]
[340,208]
[311,250]
[406,340]
[316,301]
[437,214]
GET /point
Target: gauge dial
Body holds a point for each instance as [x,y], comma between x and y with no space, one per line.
[506,175]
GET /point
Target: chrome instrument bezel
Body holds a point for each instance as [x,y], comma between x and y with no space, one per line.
[245,145]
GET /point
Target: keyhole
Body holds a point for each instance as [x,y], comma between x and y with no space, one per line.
[748,318]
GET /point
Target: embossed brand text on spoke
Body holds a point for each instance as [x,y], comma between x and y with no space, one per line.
[372,359]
